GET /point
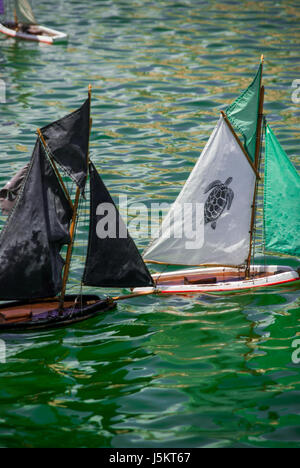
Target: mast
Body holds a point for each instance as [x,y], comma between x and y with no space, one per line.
[240,143]
[42,139]
[15,16]
[256,164]
[23,12]
[72,229]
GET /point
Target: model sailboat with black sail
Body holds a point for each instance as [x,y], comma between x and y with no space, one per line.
[211,224]
[18,21]
[43,218]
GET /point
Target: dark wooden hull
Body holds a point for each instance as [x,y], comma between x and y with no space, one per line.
[42,314]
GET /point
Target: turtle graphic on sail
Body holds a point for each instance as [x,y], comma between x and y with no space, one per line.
[220,198]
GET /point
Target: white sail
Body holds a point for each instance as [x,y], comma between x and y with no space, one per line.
[216,199]
[24,12]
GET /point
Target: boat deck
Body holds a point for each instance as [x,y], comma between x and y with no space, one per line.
[35,33]
[30,30]
[206,279]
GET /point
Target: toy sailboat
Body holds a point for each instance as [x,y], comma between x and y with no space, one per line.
[211,225]
[43,218]
[20,23]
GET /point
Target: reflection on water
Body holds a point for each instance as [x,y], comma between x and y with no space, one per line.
[189,371]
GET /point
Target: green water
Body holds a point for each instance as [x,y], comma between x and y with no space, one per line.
[169,372]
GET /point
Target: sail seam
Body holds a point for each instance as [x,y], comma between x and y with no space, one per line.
[68,172]
[240,144]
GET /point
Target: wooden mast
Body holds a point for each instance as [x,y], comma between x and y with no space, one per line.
[72,231]
[70,248]
[256,164]
[16,19]
[239,143]
[41,137]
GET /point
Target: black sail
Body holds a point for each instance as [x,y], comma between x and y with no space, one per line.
[30,243]
[112,261]
[68,141]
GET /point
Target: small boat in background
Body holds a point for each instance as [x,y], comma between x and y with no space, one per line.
[20,23]
[43,217]
[223,187]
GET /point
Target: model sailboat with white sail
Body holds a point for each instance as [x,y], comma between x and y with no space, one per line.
[18,21]
[211,224]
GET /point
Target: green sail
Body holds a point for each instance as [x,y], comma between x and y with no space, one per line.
[243,113]
[281,200]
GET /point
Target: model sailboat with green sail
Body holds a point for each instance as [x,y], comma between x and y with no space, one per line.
[18,21]
[43,217]
[211,225]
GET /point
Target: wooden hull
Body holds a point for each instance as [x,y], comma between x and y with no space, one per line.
[41,314]
[223,280]
[45,36]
